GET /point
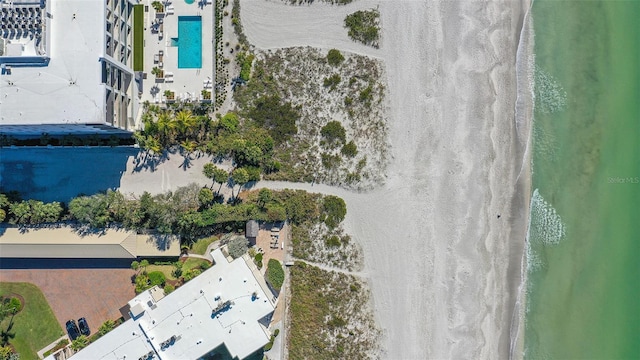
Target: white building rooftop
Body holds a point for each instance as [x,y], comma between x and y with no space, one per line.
[69,89]
[226,305]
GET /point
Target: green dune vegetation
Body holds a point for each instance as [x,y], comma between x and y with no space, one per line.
[339,132]
[364,26]
[329,316]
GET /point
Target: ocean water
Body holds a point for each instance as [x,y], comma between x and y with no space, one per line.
[583,290]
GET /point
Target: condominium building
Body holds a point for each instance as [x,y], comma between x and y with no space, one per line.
[225,311]
[67,66]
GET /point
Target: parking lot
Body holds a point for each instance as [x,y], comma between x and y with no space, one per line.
[94,293]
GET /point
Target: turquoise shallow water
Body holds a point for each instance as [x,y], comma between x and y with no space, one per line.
[584,259]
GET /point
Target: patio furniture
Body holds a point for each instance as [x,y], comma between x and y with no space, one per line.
[156,58]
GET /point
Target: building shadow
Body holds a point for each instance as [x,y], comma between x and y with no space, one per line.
[43,263]
[62,173]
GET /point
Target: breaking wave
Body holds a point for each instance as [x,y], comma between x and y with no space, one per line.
[546,225]
[550,96]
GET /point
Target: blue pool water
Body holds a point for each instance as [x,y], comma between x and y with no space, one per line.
[189,1]
[189,42]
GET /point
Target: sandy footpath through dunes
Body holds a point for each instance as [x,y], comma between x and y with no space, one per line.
[443,239]
[444,268]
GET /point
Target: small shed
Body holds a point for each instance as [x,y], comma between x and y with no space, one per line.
[251,231]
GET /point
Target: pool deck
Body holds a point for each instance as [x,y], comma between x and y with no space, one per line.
[185,83]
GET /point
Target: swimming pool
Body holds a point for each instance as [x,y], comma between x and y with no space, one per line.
[189,42]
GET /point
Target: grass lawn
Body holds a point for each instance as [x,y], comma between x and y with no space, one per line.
[167,270]
[138,37]
[35,326]
[192,263]
[200,246]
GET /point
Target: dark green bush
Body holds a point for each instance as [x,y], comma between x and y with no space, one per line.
[335,210]
[330,161]
[334,57]
[333,131]
[349,149]
[363,26]
[278,117]
[275,273]
[366,94]
[333,241]
[332,81]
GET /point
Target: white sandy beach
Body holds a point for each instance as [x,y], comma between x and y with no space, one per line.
[444,269]
[443,239]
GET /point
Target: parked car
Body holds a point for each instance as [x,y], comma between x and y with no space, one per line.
[72,330]
[84,327]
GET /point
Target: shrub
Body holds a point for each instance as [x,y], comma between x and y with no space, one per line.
[80,343]
[258,260]
[190,274]
[268,346]
[276,213]
[276,116]
[106,327]
[333,241]
[363,26]
[333,131]
[168,289]
[330,161]
[275,273]
[245,61]
[336,321]
[205,196]
[334,57]
[229,123]
[142,283]
[332,81]
[237,246]
[366,94]
[349,149]
[61,344]
[156,278]
[335,210]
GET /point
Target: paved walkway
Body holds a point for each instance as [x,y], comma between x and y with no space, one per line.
[96,294]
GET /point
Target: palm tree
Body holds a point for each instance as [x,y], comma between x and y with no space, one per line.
[153,145]
[185,122]
[189,145]
[166,128]
[239,176]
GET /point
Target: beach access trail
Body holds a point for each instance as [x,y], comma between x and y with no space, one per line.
[443,238]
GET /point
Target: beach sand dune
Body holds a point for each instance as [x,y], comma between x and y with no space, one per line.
[443,240]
